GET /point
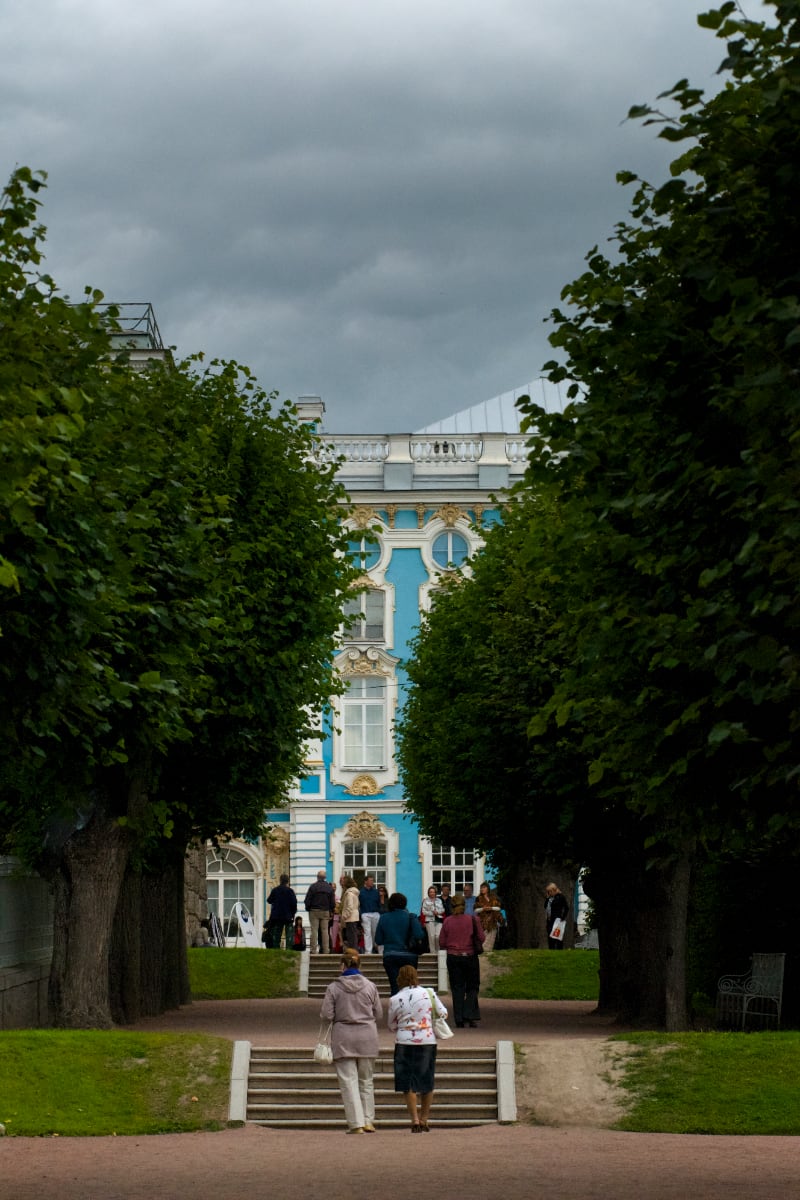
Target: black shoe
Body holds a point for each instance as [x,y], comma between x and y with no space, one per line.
[472,1024]
[459,1024]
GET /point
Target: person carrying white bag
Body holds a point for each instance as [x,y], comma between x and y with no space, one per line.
[556,910]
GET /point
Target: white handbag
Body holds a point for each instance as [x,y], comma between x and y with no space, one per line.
[440,1026]
[322,1051]
[558,930]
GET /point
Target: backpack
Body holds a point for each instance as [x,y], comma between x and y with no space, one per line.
[415,945]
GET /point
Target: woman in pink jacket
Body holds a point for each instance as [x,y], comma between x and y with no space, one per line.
[462,937]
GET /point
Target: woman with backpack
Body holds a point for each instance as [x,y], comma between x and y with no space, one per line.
[401,936]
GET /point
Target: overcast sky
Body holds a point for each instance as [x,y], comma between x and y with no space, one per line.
[375,202]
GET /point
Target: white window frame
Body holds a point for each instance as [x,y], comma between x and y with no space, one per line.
[436,574]
[256,872]
[357,632]
[363,712]
[426,860]
[388,835]
[358,663]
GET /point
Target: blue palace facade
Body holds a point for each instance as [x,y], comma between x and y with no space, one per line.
[418,504]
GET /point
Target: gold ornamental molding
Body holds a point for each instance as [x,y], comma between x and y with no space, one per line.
[391,513]
[276,838]
[421,510]
[364,517]
[363,581]
[364,827]
[363,785]
[450,513]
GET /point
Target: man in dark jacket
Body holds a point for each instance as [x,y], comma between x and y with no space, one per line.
[369,904]
[282,908]
[556,908]
[319,906]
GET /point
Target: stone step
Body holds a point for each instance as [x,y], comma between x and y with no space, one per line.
[286,1089]
[303,1070]
[456,1085]
[394,1122]
[324,968]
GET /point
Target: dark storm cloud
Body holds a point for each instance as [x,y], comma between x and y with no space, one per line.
[379,203]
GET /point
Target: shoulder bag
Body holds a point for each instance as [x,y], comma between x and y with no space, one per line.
[322,1051]
[440,1026]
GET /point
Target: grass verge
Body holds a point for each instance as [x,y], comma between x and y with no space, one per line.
[86,1082]
[544,975]
[714,1083]
[242,974]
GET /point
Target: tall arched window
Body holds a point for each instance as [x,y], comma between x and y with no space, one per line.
[229,877]
[364,711]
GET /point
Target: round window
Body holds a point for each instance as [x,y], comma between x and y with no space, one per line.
[450,550]
[365,551]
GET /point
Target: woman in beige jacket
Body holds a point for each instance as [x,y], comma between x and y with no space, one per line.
[350,912]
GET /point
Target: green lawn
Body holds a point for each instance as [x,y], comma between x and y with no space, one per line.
[242,974]
[745,1083]
[98,1082]
[71,1082]
[544,975]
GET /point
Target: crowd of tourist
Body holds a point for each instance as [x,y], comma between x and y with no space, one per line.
[366,920]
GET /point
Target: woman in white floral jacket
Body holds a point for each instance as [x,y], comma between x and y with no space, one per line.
[412,1012]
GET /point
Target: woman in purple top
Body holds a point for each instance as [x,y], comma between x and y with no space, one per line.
[460,936]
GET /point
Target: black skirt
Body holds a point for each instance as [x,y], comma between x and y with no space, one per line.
[414,1068]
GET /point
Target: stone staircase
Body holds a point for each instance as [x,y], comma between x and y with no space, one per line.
[286,1089]
[323,968]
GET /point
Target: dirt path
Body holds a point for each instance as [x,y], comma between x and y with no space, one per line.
[571,1084]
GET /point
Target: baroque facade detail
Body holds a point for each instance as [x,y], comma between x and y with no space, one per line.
[363,785]
[450,513]
[355,661]
[364,517]
[364,827]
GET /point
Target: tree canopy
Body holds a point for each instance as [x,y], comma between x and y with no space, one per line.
[172,580]
[677,474]
[668,582]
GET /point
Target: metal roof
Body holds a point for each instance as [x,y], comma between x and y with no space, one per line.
[500,414]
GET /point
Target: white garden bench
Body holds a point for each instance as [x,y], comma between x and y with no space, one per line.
[755,998]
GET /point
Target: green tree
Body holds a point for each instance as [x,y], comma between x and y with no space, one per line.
[676,480]
[486,656]
[172,588]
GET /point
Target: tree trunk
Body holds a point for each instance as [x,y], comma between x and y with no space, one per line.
[641,922]
[126,951]
[87,878]
[150,965]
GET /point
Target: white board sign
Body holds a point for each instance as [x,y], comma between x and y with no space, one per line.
[248,929]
